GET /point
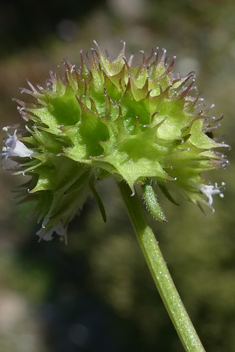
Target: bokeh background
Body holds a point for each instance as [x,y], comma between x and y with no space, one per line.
[96,294]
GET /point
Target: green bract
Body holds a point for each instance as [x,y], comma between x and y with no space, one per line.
[139,125]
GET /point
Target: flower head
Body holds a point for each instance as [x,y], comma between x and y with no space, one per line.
[137,124]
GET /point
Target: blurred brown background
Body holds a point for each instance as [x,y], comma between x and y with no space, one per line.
[96,294]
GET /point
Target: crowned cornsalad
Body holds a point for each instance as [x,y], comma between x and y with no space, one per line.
[137,124]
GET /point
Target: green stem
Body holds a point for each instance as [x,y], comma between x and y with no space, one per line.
[160,273]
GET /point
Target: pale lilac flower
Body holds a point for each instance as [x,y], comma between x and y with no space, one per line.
[14,147]
[210,191]
[47,236]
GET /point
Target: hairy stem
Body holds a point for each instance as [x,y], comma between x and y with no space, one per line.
[160,273]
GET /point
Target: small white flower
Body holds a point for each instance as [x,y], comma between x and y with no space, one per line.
[47,236]
[14,147]
[210,191]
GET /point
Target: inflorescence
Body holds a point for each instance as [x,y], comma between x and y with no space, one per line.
[137,124]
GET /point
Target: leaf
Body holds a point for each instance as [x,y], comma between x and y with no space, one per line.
[151,202]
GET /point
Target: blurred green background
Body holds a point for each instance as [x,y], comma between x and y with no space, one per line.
[96,294]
